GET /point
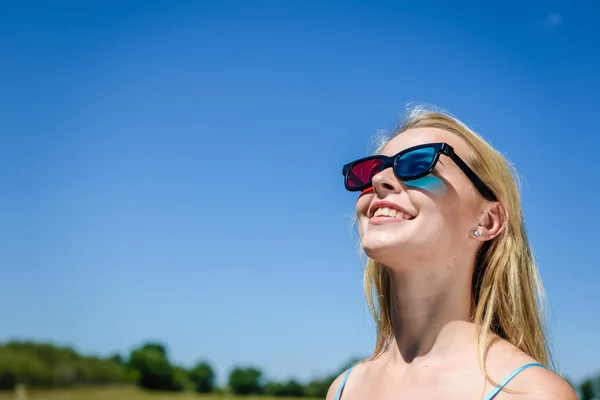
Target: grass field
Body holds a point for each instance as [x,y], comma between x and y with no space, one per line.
[122,393]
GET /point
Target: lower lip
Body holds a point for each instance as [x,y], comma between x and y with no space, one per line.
[386,220]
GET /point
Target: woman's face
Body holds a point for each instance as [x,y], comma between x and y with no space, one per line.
[430,218]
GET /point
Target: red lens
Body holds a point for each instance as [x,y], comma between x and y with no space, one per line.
[361,173]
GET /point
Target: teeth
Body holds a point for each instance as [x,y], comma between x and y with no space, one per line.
[390,212]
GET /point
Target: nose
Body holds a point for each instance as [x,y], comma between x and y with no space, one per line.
[386,181]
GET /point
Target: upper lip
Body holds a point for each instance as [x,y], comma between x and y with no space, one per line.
[389,204]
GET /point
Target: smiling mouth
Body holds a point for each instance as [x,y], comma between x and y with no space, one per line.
[388,212]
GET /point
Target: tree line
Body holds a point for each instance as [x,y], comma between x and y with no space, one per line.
[44,365]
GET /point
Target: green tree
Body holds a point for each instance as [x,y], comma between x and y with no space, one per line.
[45,352]
[98,371]
[586,390]
[203,377]
[182,380]
[244,381]
[117,359]
[318,387]
[155,372]
[20,366]
[291,388]
[46,365]
[159,347]
[294,388]
[273,388]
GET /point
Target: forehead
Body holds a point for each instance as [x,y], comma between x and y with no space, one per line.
[416,136]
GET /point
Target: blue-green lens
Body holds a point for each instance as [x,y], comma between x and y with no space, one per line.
[415,163]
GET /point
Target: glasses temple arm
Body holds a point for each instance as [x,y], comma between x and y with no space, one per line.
[481,187]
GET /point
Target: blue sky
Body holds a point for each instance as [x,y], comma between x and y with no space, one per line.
[171,170]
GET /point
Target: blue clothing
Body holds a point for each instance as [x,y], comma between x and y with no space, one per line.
[490,396]
[498,388]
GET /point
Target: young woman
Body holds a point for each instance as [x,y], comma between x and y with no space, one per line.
[450,277]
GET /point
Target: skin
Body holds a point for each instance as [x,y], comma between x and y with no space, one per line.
[430,260]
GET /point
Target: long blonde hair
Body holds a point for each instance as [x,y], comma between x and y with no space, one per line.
[506,286]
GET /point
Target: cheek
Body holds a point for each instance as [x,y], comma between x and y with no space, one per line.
[438,203]
[361,208]
[430,184]
[362,204]
[457,212]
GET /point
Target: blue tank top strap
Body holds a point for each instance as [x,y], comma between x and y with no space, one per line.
[498,388]
[343,383]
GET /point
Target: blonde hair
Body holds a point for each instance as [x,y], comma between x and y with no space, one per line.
[507,289]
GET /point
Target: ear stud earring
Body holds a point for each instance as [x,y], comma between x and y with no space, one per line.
[477,233]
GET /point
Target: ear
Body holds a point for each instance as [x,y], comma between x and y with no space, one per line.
[491,222]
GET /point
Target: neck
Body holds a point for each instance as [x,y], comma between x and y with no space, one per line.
[430,309]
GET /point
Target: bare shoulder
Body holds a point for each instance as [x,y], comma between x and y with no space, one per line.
[541,383]
[531,383]
[335,385]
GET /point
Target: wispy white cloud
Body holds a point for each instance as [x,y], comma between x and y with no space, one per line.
[553,20]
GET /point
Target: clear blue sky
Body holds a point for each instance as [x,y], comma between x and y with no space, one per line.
[171,170]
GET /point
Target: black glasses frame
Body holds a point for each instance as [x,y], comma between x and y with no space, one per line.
[440,148]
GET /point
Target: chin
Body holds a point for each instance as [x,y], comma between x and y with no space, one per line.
[384,249]
[389,247]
